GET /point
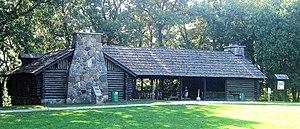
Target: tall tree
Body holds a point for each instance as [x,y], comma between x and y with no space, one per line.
[11,30]
[104,17]
[277,47]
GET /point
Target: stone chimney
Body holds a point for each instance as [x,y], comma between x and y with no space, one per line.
[87,81]
[235,49]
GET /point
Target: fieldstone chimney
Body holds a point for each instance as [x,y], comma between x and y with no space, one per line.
[235,49]
[87,81]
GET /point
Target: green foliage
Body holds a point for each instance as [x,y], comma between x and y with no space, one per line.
[6,99]
[277,45]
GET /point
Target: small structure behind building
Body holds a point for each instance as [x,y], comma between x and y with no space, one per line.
[280,86]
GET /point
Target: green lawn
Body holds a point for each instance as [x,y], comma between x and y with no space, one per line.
[183,116]
[21,107]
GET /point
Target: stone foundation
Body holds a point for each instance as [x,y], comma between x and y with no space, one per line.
[87,70]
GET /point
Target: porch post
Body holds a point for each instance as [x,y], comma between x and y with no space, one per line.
[152,88]
[134,89]
[43,85]
[204,88]
[275,90]
[180,79]
[161,87]
[142,85]
[156,89]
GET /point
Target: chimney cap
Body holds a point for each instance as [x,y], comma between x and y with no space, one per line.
[234,46]
[87,33]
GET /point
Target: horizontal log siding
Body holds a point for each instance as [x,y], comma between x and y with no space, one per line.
[234,85]
[116,83]
[55,84]
[256,90]
[116,80]
[129,86]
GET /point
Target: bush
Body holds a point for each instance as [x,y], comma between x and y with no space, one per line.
[6,99]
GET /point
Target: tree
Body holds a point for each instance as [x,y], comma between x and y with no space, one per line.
[11,13]
[104,17]
[156,20]
[277,47]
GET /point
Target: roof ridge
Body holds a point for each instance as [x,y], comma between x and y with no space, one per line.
[187,49]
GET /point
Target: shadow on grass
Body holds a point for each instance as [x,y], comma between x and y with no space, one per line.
[20,107]
[184,116]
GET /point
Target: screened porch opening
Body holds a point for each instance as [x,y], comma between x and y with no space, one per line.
[210,88]
[215,89]
[176,88]
[160,89]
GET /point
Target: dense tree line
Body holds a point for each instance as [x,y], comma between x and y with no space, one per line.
[269,29]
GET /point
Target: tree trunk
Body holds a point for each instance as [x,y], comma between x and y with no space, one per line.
[109,39]
[298,94]
[140,38]
[294,94]
[160,35]
[1,92]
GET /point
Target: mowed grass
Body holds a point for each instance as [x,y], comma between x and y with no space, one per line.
[22,107]
[180,116]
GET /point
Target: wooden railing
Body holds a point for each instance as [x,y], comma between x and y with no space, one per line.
[143,95]
[151,95]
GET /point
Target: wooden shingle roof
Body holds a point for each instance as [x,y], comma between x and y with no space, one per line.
[31,55]
[281,77]
[43,62]
[182,62]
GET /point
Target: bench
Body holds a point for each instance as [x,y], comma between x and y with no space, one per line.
[235,95]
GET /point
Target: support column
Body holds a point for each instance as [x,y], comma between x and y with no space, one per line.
[152,89]
[161,82]
[275,90]
[142,84]
[181,85]
[134,88]
[156,89]
[204,88]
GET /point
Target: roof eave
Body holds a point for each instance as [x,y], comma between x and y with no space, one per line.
[62,57]
[119,64]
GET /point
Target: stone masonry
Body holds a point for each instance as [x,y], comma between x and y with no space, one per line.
[87,70]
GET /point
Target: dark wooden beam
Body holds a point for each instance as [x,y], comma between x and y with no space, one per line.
[134,84]
[43,84]
[275,90]
[161,87]
[152,88]
[125,86]
[204,88]
[156,88]
[181,85]
[142,84]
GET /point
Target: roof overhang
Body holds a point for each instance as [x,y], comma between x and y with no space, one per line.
[119,64]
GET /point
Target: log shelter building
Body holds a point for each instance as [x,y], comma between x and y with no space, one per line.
[135,73]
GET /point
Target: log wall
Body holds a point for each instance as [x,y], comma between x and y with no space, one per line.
[118,80]
[129,86]
[55,84]
[234,86]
